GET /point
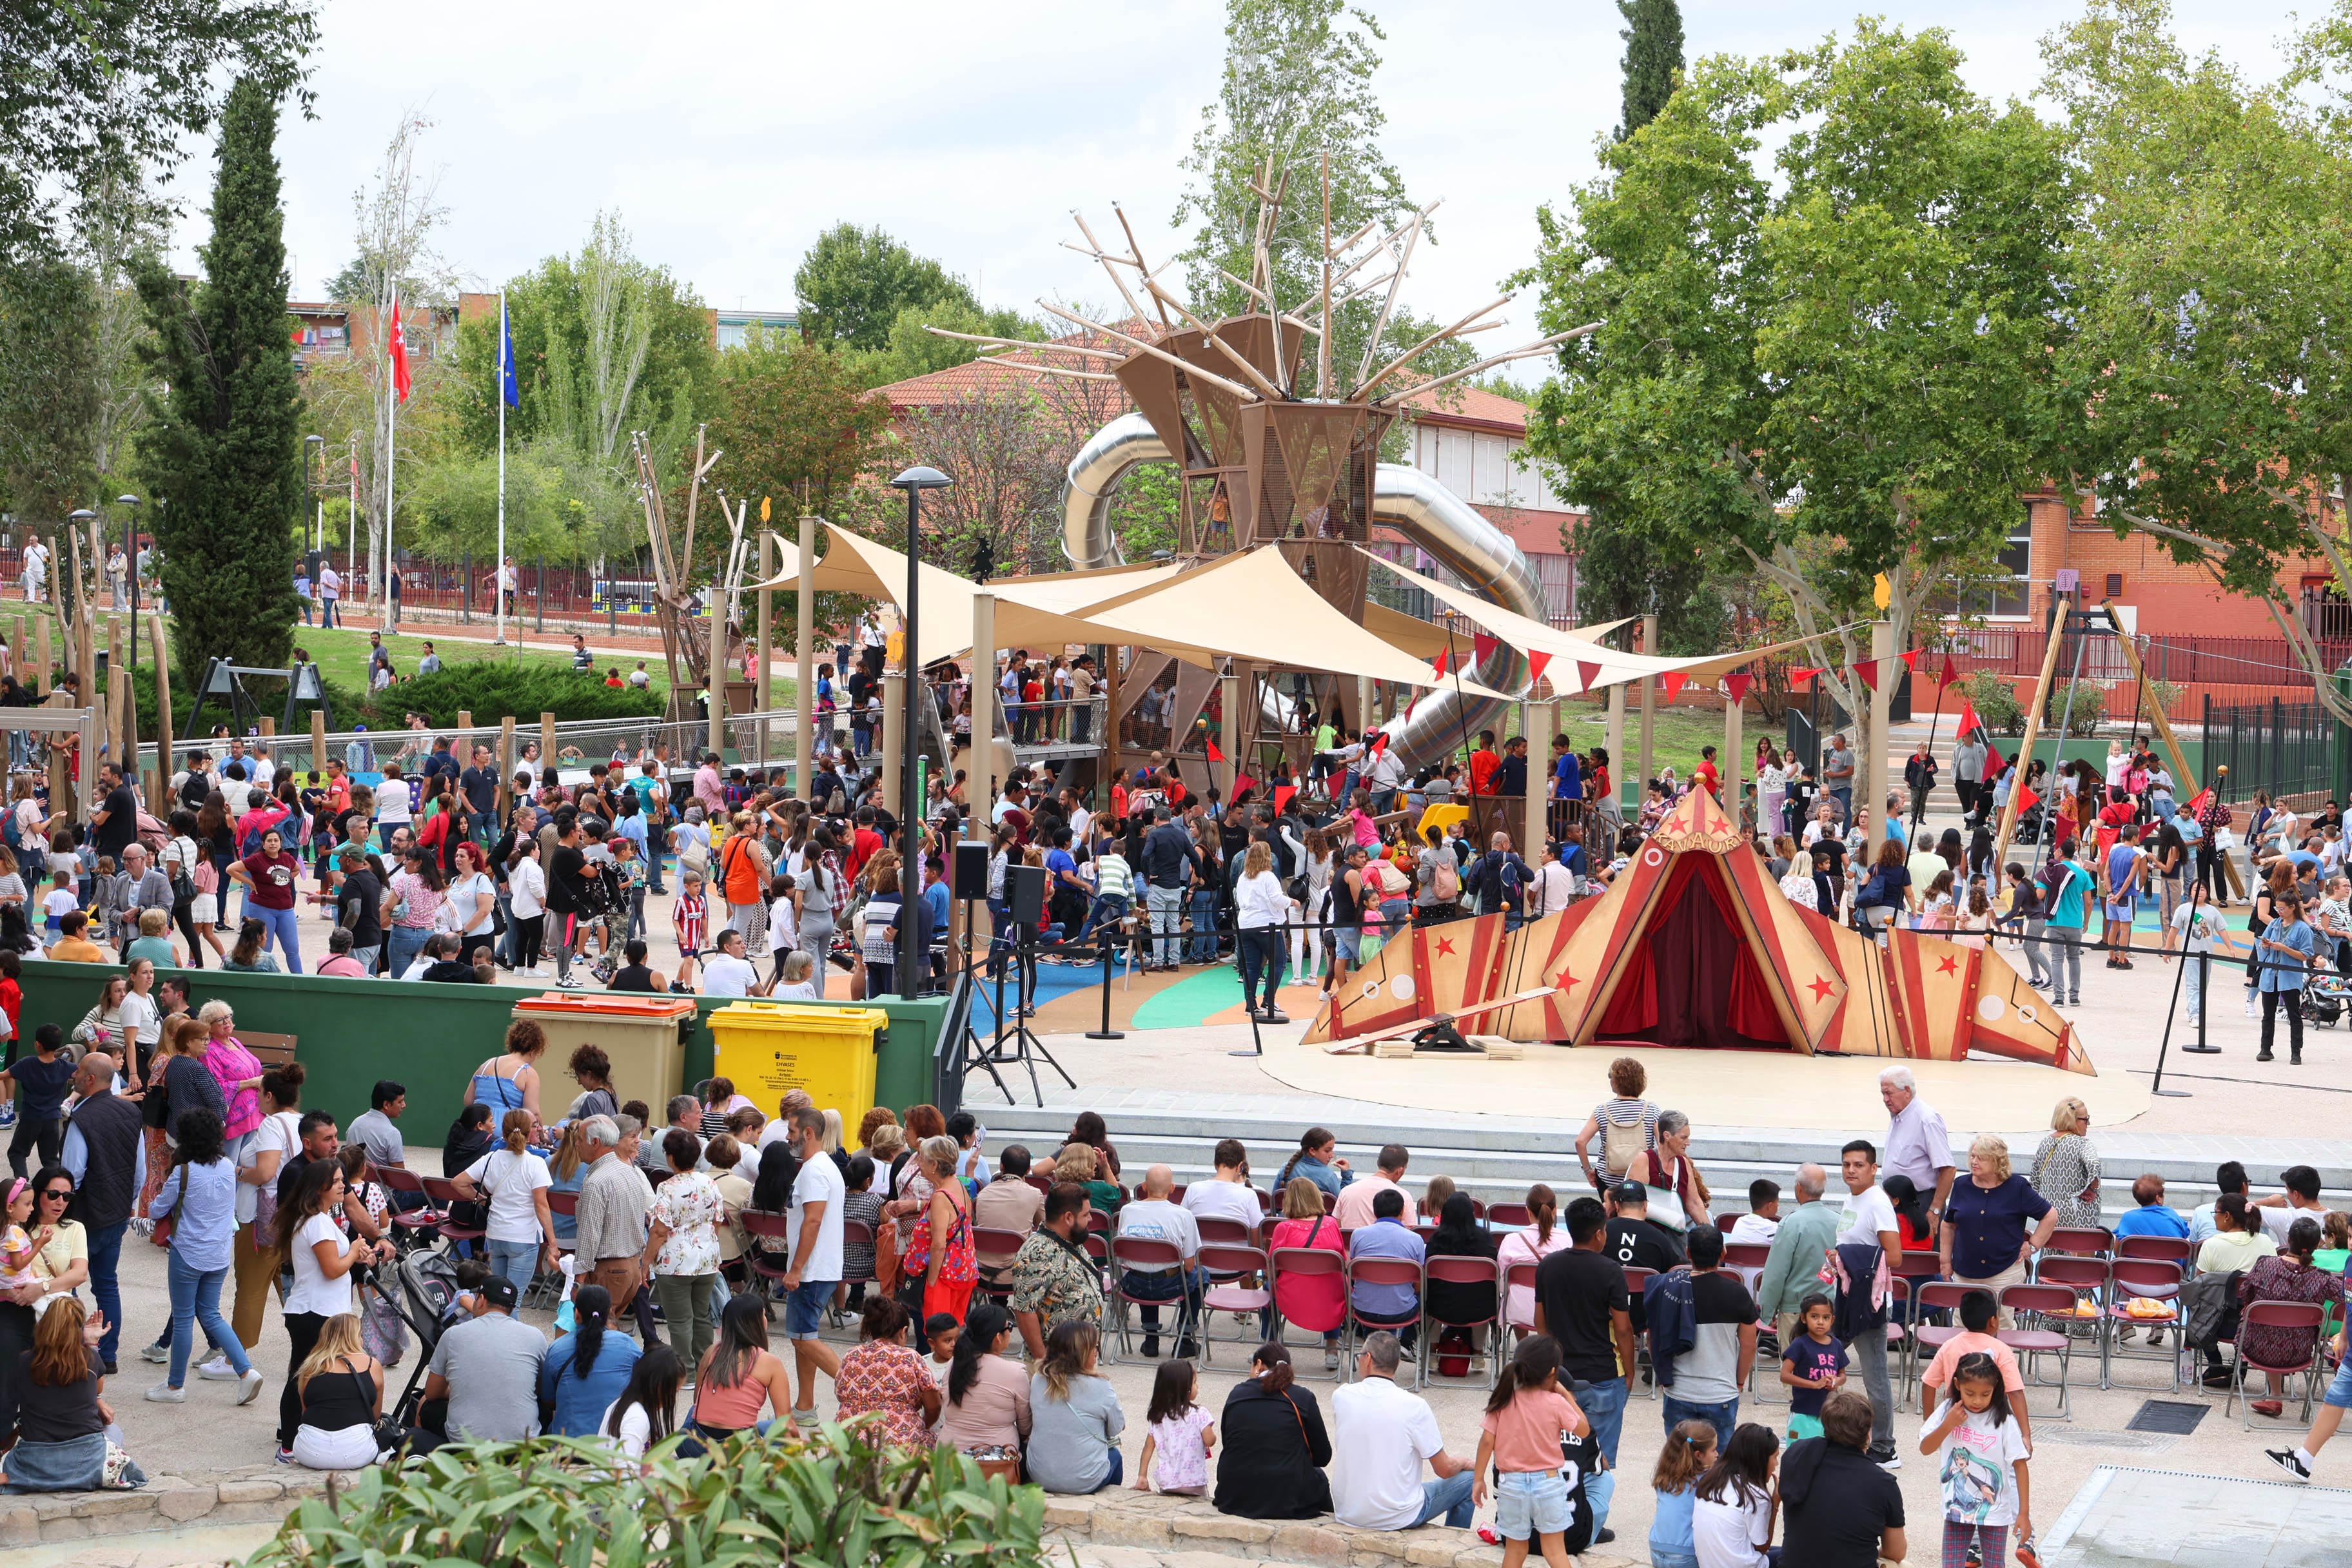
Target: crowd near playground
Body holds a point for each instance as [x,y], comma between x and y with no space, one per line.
[721,1270]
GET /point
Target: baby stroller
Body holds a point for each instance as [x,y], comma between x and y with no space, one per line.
[413,1293]
[2324,999]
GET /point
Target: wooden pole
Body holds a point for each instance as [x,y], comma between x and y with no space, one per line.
[1229,728]
[547,740]
[43,656]
[980,789]
[805,695]
[462,745]
[2024,759]
[319,743]
[2186,780]
[894,743]
[119,707]
[766,690]
[1872,764]
[162,701]
[1648,740]
[506,766]
[1734,743]
[1537,721]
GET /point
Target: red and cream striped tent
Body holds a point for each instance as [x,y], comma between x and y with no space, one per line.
[1695,945]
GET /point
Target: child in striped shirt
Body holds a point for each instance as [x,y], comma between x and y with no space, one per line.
[689,914]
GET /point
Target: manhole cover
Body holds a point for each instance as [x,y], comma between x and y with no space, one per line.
[2173,1417]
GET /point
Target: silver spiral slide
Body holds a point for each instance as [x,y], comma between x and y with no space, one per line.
[1405,499]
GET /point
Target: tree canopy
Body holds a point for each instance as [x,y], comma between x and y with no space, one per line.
[1653,61]
[856,284]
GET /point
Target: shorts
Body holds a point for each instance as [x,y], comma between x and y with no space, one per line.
[1804,1426]
[804,1307]
[1347,941]
[1529,1503]
[2339,1392]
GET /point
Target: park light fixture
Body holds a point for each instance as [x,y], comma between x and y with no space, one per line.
[914,481]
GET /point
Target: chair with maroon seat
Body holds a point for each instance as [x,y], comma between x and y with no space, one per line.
[443,1196]
[1520,1276]
[2157,1280]
[1138,1252]
[769,1267]
[1926,1339]
[1043,1184]
[1223,1232]
[995,1249]
[1230,1268]
[2087,1277]
[409,1225]
[2307,1315]
[1304,1263]
[2082,1241]
[2042,1304]
[1914,1267]
[1509,1216]
[1746,1254]
[1458,1270]
[2172,1248]
[1382,1271]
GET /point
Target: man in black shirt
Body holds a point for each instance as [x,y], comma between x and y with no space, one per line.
[1842,1511]
[567,870]
[480,784]
[443,948]
[359,904]
[1636,1241]
[115,823]
[1580,1300]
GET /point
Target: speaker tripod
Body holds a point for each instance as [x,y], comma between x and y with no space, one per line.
[1018,1046]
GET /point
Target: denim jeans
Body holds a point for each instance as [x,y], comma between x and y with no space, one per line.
[365,956]
[1107,910]
[283,933]
[1723,1417]
[482,826]
[1603,1405]
[1204,925]
[1166,906]
[637,923]
[1450,1497]
[195,1299]
[515,1260]
[105,1282]
[407,941]
[1167,1285]
[1260,950]
[654,865]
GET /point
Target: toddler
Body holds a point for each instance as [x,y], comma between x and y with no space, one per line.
[1181,1433]
[16,1249]
[59,902]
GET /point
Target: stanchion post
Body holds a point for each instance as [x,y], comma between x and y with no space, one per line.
[1106,1032]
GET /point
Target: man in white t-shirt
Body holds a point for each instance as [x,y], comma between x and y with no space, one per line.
[1870,1218]
[1229,1195]
[1383,1435]
[818,1193]
[729,974]
[1153,1217]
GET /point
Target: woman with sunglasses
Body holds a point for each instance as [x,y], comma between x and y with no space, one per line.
[60,1246]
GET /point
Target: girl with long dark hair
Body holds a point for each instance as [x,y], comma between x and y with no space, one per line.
[739,1375]
[323,1263]
[646,1411]
[586,1371]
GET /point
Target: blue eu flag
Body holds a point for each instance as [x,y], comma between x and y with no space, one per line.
[508,388]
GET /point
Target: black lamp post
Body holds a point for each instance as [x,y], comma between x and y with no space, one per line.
[911,956]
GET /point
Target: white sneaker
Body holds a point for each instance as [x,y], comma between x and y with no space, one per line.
[572,982]
[164,1393]
[249,1385]
[217,1370]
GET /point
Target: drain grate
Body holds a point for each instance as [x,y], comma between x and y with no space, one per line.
[2174,1418]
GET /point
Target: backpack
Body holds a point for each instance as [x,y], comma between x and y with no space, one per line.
[1445,878]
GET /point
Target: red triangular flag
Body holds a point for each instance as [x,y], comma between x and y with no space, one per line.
[1868,671]
[1951,672]
[1675,680]
[399,351]
[1969,722]
[1483,645]
[2026,799]
[1380,741]
[1242,781]
[1438,664]
[1282,793]
[1911,660]
[1215,755]
[2198,803]
[1587,673]
[1799,674]
[1536,664]
[1737,686]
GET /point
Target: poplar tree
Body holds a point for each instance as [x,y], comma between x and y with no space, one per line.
[1654,58]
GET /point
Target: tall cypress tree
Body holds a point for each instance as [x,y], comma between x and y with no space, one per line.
[1654,58]
[223,453]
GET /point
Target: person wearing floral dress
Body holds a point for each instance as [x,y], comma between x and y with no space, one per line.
[2066,1167]
[682,1244]
[883,1377]
[2289,1276]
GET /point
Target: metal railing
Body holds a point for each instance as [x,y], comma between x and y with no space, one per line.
[2297,750]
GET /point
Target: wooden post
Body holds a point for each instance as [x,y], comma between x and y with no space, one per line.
[547,740]
[1537,721]
[715,677]
[162,705]
[85,660]
[766,639]
[1734,743]
[2184,781]
[894,745]
[1615,733]
[506,766]
[805,695]
[980,789]
[43,655]
[319,743]
[2024,759]
[462,747]
[118,725]
[1648,742]
[269,730]
[1229,729]
[1363,705]
[1870,768]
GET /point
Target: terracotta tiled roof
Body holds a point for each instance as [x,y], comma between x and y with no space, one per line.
[1473,405]
[944,386]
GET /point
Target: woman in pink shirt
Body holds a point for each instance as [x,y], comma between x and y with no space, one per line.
[236,1069]
[1316,1302]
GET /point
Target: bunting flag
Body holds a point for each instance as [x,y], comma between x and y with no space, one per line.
[1868,671]
[400,382]
[1969,722]
[1587,673]
[1282,793]
[2199,803]
[1380,741]
[1951,672]
[1214,755]
[1438,664]
[1675,681]
[1483,645]
[1911,660]
[1799,674]
[1737,686]
[1536,662]
[2026,800]
[1242,781]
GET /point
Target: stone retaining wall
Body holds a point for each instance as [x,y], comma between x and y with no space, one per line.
[1124,1520]
[264,1494]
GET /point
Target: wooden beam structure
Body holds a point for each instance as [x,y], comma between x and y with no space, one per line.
[2024,759]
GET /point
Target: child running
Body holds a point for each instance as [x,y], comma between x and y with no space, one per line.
[1813,1365]
[1182,1433]
[1984,1481]
[1527,1415]
[1689,1454]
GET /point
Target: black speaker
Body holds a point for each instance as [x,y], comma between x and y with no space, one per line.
[971,880]
[1025,888]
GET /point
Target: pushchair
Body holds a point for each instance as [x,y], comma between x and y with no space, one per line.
[2326,998]
[416,1291]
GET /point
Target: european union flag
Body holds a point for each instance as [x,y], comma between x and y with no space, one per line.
[508,388]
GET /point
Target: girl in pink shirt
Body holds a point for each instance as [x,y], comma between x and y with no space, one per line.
[1527,1415]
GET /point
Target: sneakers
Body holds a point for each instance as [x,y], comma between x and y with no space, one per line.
[1151,1347]
[571,982]
[2287,1459]
[7,1116]
[249,1385]
[164,1393]
[217,1370]
[1330,1359]
[1886,1459]
[285,1456]
[158,1354]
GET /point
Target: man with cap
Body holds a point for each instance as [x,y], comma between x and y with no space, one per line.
[1637,1241]
[485,1373]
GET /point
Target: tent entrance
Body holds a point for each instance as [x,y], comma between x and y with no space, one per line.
[1693,979]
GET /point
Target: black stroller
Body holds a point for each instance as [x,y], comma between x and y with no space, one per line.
[414,1292]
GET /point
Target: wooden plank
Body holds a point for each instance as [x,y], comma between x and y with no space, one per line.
[547,740]
[506,766]
[1402,1030]
[2024,759]
[319,741]
[43,655]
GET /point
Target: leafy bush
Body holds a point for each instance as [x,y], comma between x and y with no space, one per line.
[2090,707]
[492,689]
[835,1499]
[1995,702]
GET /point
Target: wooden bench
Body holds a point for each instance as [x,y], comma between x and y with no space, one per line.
[274,1050]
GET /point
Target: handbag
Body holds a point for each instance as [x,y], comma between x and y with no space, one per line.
[886,1256]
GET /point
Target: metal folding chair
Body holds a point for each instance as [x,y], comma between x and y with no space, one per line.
[2306,1315]
[1384,1272]
[2040,1303]
[1230,1267]
[1926,1339]
[1304,1263]
[2157,1280]
[1127,1252]
[1461,1272]
[2087,1277]
[441,1193]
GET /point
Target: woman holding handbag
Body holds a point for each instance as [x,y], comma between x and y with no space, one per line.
[942,1265]
[1678,1194]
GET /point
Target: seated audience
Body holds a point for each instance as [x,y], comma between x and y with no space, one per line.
[1762,1220]
[1385,1433]
[341,1388]
[884,1378]
[1274,1444]
[1317,1302]
[1459,1235]
[1227,1194]
[1543,1236]
[739,1376]
[486,1369]
[586,1370]
[61,1416]
[987,1393]
[646,1411]
[1074,1416]
[1153,1217]
[2286,1275]
[1394,1307]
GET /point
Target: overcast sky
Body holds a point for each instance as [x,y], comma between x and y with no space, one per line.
[728,136]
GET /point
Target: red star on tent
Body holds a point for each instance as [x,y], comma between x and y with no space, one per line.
[1947,965]
[1820,988]
[1567,982]
[1445,947]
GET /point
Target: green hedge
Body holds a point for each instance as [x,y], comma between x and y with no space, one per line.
[492,689]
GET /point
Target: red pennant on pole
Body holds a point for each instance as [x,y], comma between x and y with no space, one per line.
[1587,673]
[1242,781]
[1737,686]
[1868,671]
[1970,723]
[1799,674]
[1951,672]
[1675,680]
[1380,741]
[2026,799]
[1911,660]
[1282,793]
[1438,664]
[1535,665]
[1215,755]
[2199,802]
[1483,645]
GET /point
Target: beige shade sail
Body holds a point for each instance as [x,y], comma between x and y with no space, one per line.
[1569,649]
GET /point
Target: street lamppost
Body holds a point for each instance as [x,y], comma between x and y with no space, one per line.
[914,481]
[131,564]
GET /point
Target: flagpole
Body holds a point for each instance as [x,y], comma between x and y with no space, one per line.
[391,447]
[499,565]
[1919,797]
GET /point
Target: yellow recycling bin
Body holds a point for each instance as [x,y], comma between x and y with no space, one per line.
[768,1047]
[638,1033]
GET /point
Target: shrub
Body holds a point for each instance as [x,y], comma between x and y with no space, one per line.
[834,1500]
[2089,710]
[1995,702]
[491,690]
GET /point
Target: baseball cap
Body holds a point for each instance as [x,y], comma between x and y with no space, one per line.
[1630,1192]
[499,1291]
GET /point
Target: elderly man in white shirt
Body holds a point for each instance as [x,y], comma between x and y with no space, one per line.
[1384,1433]
[1917,1146]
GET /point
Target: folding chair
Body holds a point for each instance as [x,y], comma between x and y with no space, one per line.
[2158,1278]
[2035,1301]
[2177,1249]
[1926,1339]
[996,1249]
[2080,1241]
[441,1193]
[1461,1272]
[544,1287]
[1224,1232]
[1306,1263]
[1914,1267]
[2304,1315]
[1521,1275]
[1384,1272]
[2087,1277]
[1229,1267]
[759,1223]
[1509,1216]
[1746,1254]
[1138,1252]
[409,1225]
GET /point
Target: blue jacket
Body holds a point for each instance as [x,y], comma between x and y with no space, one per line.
[1672,1316]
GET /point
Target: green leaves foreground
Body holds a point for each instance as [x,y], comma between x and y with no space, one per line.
[835,1497]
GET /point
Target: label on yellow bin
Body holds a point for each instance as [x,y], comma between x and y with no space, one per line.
[770,1047]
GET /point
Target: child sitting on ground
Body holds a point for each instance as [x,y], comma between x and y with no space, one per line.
[1689,1454]
[1181,1434]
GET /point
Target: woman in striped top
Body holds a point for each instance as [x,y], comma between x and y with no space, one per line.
[1626,1124]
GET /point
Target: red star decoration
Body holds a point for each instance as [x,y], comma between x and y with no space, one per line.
[1820,988]
[1445,947]
[1567,982]
[1947,965]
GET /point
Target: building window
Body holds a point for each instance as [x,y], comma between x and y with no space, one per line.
[2006,591]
